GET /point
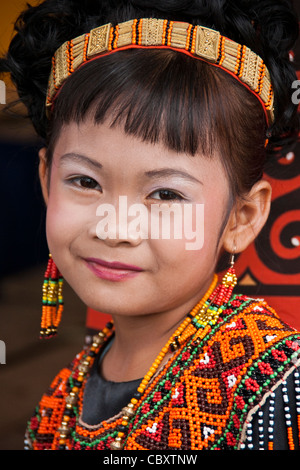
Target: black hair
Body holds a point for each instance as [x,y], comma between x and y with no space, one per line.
[164,93]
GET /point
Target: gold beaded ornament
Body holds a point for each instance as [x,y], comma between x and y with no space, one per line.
[196,41]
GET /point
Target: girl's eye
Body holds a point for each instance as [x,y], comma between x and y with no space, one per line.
[166,195]
[85,182]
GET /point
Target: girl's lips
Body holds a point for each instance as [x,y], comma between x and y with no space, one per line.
[113,271]
[114,264]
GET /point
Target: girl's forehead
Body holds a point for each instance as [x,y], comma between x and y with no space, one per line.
[111,144]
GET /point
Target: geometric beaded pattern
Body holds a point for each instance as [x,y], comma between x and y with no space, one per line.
[195,40]
[201,399]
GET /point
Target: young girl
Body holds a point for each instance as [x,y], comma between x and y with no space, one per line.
[155,113]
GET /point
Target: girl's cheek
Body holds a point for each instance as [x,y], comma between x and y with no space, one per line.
[179,222]
[61,220]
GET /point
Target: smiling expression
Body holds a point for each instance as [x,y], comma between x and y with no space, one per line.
[95,164]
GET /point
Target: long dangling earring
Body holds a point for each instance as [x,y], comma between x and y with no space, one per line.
[53,303]
[229,281]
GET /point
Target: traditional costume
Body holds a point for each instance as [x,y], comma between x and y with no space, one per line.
[232,382]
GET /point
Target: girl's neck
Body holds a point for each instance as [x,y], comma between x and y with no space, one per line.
[139,340]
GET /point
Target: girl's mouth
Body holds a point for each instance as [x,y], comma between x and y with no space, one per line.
[112,271]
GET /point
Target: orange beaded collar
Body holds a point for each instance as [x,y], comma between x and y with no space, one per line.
[196,41]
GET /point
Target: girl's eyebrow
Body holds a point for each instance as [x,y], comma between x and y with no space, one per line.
[151,174]
[77,157]
[165,172]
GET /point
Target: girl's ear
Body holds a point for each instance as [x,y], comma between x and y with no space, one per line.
[43,174]
[247,218]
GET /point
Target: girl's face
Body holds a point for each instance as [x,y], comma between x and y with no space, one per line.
[108,192]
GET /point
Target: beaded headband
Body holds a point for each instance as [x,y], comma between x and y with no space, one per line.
[197,41]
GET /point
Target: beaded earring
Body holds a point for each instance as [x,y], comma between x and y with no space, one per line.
[229,281]
[53,304]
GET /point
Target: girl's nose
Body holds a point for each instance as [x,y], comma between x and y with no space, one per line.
[121,223]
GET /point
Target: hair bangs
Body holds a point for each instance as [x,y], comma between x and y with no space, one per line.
[158,96]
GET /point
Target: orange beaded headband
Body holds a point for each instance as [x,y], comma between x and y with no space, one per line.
[197,41]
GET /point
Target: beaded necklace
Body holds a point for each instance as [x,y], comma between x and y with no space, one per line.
[205,313]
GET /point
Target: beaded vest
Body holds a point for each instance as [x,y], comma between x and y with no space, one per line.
[201,399]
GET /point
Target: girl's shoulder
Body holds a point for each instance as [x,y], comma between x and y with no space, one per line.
[253,332]
[256,310]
